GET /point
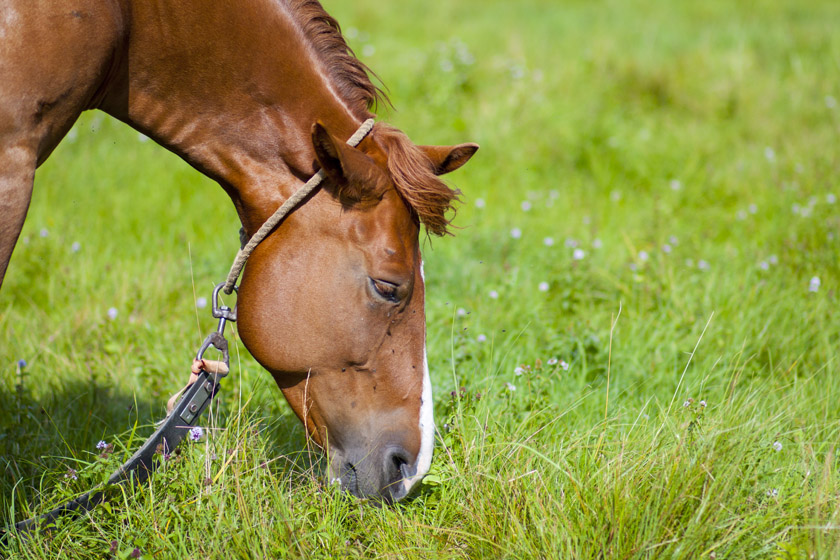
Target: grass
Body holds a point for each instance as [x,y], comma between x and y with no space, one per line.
[687,149]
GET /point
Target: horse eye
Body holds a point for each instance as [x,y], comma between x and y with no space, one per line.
[386,290]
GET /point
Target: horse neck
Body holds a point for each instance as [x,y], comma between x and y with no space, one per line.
[234,92]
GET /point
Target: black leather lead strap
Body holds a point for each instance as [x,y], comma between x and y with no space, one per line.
[138,468]
[166,438]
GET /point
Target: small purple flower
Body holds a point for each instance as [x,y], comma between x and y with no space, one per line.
[564,366]
[101,445]
[548,241]
[112,313]
[516,233]
[201,302]
[481,338]
[814,284]
[71,474]
[543,287]
[519,370]
[552,361]
[525,206]
[578,254]
[510,386]
[44,232]
[196,433]
[21,363]
[777,446]
[75,247]
[479,203]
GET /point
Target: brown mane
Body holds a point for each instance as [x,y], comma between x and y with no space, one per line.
[412,171]
[350,75]
[414,177]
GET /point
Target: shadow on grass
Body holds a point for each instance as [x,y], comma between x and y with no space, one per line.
[41,440]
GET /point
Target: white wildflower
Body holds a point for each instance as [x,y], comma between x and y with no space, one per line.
[75,247]
[112,313]
[643,256]
[201,302]
[666,249]
[548,241]
[597,243]
[481,338]
[516,233]
[543,287]
[777,446]
[525,205]
[494,294]
[479,203]
[814,285]
[552,361]
[675,184]
[510,386]
[578,254]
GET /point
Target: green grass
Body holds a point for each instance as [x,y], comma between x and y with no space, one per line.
[624,125]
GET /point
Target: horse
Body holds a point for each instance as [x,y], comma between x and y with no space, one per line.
[259,97]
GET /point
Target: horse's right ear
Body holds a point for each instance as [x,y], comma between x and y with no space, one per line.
[354,174]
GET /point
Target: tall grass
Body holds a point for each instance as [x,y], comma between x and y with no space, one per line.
[650,235]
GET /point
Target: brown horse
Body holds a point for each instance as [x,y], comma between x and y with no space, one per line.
[259,95]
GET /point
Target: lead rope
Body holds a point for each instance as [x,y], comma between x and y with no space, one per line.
[283,211]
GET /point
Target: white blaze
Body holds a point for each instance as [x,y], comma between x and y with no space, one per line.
[427,420]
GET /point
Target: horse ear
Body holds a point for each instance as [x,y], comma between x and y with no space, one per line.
[353,173]
[449,158]
[328,154]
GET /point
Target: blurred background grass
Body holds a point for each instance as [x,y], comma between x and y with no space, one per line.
[675,160]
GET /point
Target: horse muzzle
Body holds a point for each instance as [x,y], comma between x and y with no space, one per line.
[385,474]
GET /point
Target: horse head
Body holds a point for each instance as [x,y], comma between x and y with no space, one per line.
[332,304]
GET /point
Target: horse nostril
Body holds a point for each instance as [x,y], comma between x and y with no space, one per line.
[350,479]
[397,463]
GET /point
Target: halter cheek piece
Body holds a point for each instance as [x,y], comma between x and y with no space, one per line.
[187,405]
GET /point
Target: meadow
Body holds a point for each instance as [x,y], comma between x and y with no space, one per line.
[633,335]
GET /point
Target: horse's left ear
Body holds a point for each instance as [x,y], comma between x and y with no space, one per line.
[449,158]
